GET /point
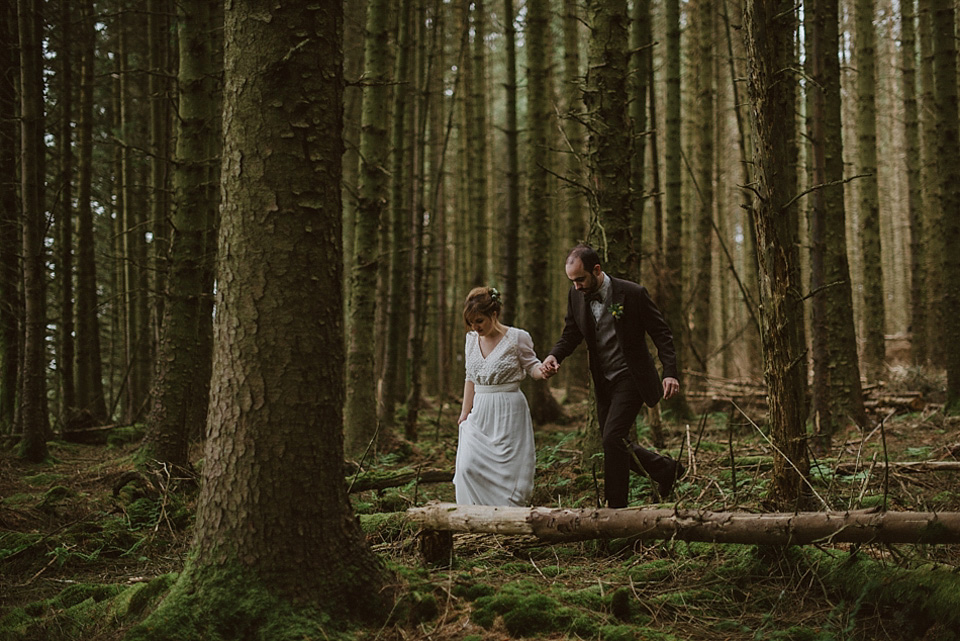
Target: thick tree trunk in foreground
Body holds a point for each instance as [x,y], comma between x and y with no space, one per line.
[794,528]
[273,518]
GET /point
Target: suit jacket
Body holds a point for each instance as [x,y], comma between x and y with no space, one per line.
[640,316]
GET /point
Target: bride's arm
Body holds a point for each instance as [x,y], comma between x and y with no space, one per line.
[528,358]
[468,392]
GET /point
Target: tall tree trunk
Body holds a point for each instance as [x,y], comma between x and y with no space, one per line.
[641,54]
[837,392]
[91,400]
[273,479]
[438,208]
[511,228]
[354,20]
[478,145]
[538,224]
[157,88]
[930,188]
[770,28]
[575,218]
[182,385]
[9,223]
[911,134]
[671,301]
[399,299]
[605,100]
[33,446]
[702,282]
[66,351]
[360,413]
[419,252]
[948,168]
[874,354]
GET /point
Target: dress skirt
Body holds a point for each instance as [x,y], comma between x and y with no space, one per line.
[496,456]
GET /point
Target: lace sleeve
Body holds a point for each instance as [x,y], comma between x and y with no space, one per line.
[528,358]
[468,364]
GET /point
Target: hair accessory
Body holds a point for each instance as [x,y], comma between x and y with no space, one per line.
[495,295]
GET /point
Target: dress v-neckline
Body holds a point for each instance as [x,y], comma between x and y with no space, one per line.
[480,347]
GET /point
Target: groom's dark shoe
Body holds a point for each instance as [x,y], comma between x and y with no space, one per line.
[665,486]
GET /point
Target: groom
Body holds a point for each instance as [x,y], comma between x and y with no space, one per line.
[613,315]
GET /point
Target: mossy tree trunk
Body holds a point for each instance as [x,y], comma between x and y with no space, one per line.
[837,394]
[182,383]
[274,508]
[770,28]
[90,391]
[948,168]
[641,55]
[360,413]
[9,222]
[874,355]
[478,148]
[911,134]
[36,426]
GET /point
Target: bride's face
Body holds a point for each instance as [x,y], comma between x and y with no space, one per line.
[484,325]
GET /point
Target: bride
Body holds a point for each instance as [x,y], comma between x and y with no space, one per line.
[496,456]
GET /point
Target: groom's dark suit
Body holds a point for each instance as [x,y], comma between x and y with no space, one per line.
[619,400]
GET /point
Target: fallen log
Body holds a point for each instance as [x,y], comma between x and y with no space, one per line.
[555,525]
[848,469]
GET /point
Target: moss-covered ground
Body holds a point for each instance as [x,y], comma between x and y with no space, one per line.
[88,548]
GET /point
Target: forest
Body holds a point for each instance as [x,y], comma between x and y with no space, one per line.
[235,243]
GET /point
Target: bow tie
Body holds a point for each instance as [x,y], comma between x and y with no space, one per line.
[596,296]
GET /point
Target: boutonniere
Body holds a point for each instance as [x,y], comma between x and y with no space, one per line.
[617,310]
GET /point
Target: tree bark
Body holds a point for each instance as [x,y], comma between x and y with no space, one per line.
[770,27]
[948,169]
[273,511]
[182,383]
[66,351]
[874,352]
[33,446]
[510,275]
[793,528]
[912,162]
[837,394]
[538,223]
[360,414]
[91,401]
[10,242]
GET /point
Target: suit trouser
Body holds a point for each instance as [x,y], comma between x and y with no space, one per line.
[618,404]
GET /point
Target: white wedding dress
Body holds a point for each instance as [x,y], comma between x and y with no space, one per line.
[496,455]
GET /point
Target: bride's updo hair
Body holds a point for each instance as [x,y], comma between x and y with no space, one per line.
[481,301]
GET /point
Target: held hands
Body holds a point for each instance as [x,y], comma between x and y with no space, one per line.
[671,386]
[549,367]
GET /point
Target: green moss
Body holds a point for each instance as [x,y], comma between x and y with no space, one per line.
[390,526]
[14,542]
[472,591]
[653,571]
[53,496]
[230,604]
[43,479]
[120,436]
[16,500]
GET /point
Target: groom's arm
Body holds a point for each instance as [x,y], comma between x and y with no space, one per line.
[572,336]
[659,331]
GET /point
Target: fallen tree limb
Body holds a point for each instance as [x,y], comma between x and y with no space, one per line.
[906,466]
[552,525]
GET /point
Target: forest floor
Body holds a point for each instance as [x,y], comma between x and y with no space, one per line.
[79,530]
